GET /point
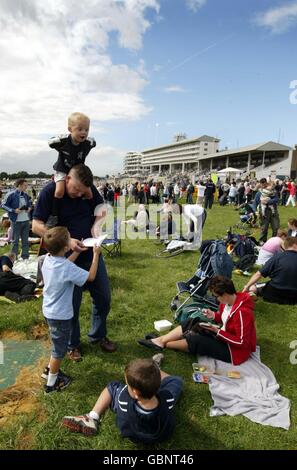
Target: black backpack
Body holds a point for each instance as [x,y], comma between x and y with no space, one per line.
[214,260]
[244,249]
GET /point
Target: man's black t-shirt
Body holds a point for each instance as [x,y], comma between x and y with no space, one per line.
[282,270]
[77,214]
[210,189]
[69,153]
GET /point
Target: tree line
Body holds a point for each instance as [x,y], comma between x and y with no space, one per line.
[22,174]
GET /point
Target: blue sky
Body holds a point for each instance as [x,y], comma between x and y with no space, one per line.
[144,70]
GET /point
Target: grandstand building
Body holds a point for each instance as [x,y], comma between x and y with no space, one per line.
[202,156]
[133,164]
[180,156]
[265,159]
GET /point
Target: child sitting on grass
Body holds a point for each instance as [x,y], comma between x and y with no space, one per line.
[60,275]
[143,407]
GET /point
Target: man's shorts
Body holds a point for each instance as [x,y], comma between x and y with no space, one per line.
[278,296]
[59,333]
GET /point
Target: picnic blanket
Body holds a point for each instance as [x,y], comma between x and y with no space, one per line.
[255,395]
[27,268]
[6,300]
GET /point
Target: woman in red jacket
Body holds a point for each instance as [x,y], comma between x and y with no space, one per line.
[231,339]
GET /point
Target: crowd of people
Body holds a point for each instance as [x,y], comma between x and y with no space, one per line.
[65,215]
[232,191]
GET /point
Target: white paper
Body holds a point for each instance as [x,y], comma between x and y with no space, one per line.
[95,241]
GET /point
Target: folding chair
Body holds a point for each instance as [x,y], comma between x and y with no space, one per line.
[112,246]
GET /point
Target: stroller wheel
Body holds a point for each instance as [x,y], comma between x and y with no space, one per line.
[175,303]
[169,253]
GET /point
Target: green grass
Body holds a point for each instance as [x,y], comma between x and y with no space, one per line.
[142,288]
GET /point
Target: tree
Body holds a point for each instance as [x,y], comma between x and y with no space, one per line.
[22,174]
[42,175]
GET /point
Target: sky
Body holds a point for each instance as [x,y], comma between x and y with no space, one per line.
[143,71]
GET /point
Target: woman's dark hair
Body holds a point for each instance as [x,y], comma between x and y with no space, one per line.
[220,285]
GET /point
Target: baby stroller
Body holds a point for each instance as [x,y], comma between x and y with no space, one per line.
[214,261]
[194,217]
[243,250]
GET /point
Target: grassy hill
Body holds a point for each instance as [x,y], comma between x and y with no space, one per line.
[142,288]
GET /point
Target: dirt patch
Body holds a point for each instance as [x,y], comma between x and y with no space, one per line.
[22,397]
[10,334]
[40,331]
[25,442]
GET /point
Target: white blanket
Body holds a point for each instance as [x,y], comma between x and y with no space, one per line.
[26,268]
[255,395]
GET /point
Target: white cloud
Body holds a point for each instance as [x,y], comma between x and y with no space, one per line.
[157,67]
[106,160]
[34,155]
[278,19]
[55,59]
[195,5]
[174,89]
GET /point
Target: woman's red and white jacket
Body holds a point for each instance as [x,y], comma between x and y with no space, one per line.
[240,331]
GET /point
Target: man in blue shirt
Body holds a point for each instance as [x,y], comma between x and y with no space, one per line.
[77,214]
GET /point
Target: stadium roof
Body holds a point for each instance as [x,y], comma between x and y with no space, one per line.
[269,146]
[203,138]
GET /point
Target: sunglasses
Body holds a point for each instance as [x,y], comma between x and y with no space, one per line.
[217,295]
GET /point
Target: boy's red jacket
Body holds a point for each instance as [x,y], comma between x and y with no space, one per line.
[240,334]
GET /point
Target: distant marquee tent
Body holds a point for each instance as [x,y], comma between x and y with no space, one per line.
[229,170]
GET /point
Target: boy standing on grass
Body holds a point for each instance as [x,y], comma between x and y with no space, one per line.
[143,406]
[73,149]
[60,275]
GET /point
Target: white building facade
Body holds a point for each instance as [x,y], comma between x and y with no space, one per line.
[133,164]
[181,156]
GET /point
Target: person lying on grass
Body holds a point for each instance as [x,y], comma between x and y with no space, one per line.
[143,406]
[231,339]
